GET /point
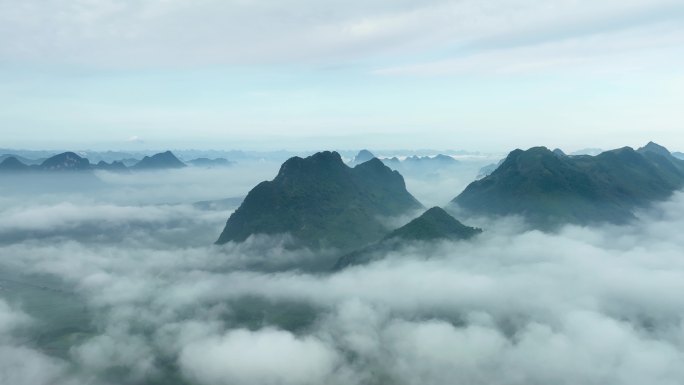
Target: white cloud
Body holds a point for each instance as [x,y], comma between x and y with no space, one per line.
[588,305]
[183,32]
[262,357]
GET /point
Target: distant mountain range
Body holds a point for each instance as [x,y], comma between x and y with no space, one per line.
[439,160]
[70,161]
[549,189]
[323,203]
[22,159]
[211,163]
[411,163]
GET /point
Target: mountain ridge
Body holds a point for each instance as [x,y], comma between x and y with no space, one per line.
[432,225]
[548,189]
[322,203]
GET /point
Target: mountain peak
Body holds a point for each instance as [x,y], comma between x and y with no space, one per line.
[549,190]
[322,202]
[434,223]
[320,164]
[363,156]
[66,161]
[12,164]
[654,148]
[162,160]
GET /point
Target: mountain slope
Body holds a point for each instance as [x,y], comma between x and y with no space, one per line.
[115,166]
[160,161]
[12,164]
[434,224]
[67,161]
[549,190]
[362,157]
[209,163]
[322,203]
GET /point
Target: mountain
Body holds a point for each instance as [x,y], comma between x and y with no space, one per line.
[12,164]
[115,166]
[488,169]
[210,163]
[438,159]
[163,160]
[129,162]
[66,161]
[362,156]
[559,152]
[678,155]
[422,166]
[323,203]
[22,159]
[434,224]
[549,190]
[220,204]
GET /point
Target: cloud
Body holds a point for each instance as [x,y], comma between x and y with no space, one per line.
[23,366]
[583,305]
[20,364]
[128,33]
[266,356]
[637,49]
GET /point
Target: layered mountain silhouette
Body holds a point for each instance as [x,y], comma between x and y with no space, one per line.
[12,164]
[22,159]
[548,189]
[415,161]
[70,161]
[160,161]
[323,203]
[115,166]
[210,163]
[66,161]
[434,224]
[488,169]
[362,156]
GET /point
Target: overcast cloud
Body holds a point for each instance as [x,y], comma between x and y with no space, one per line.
[308,75]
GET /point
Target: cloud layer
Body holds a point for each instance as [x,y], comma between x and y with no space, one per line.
[154,301]
[182,32]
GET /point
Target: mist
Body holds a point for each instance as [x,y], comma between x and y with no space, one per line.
[126,286]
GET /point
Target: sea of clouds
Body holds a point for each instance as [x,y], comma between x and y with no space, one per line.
[126,286]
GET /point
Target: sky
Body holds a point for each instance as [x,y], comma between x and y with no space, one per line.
[308,75]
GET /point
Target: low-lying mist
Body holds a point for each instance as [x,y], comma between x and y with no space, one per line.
[126,286]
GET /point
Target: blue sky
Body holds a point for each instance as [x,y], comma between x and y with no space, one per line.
[301,74]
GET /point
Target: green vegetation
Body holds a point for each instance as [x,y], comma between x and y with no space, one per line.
[323,203]
[434,224]
[548,189]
